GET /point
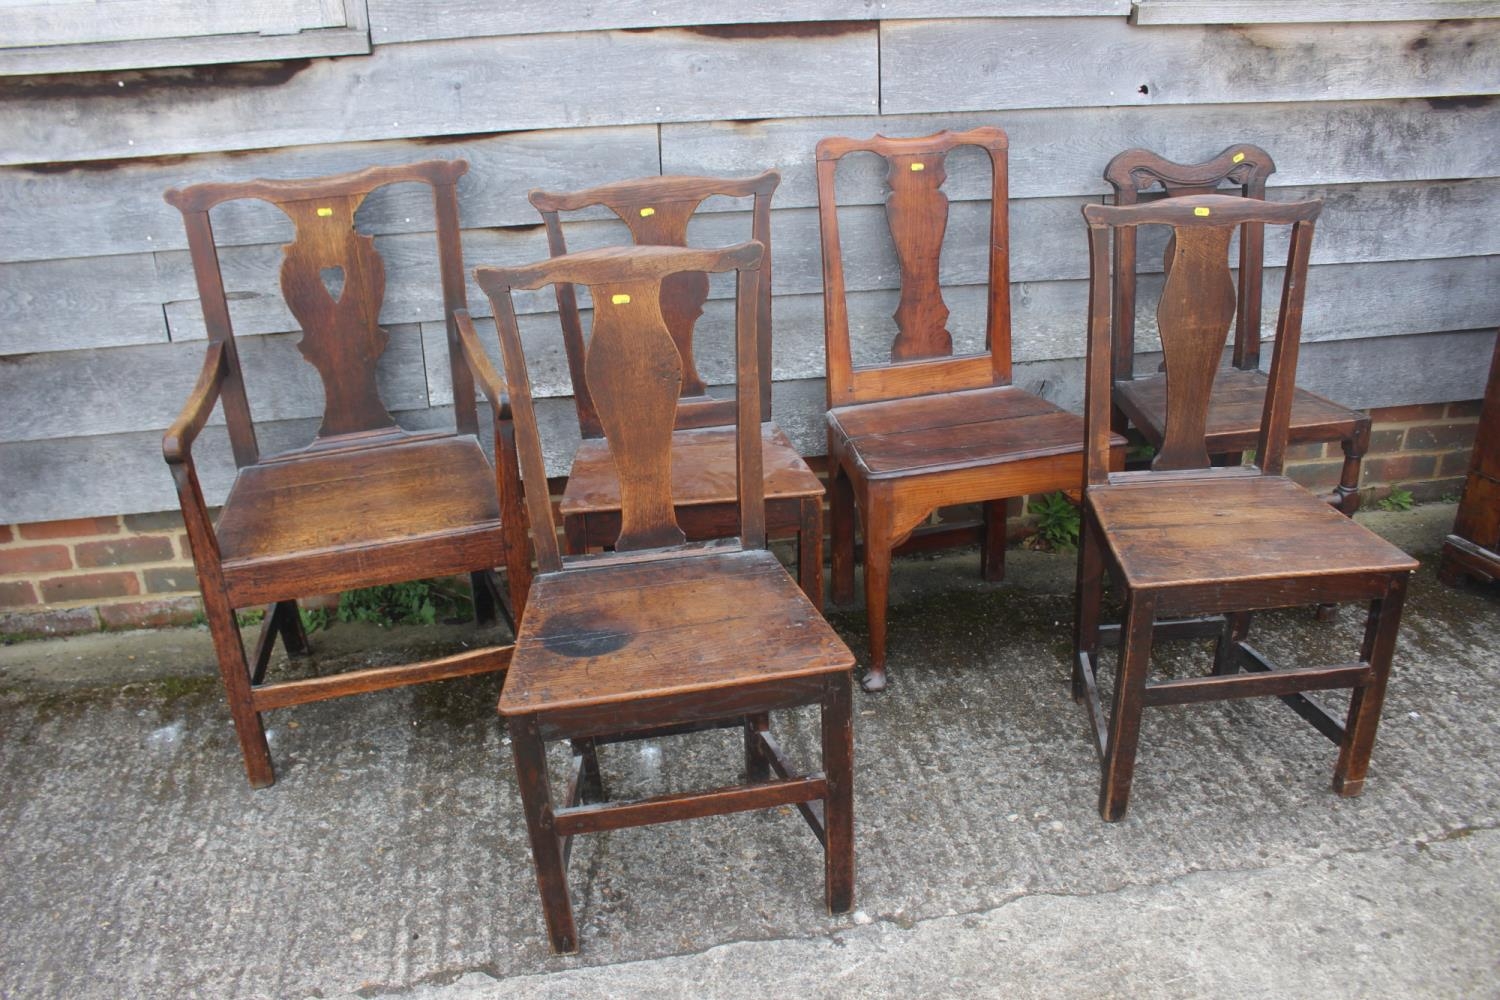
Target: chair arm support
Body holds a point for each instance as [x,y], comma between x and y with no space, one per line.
[490,382]
[178,440]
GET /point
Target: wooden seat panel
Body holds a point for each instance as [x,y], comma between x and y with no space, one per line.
[1218,531]
[703,470]
[643,630]
[1234,411]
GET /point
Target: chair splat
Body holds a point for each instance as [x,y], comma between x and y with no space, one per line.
[1194,314]
[917,211]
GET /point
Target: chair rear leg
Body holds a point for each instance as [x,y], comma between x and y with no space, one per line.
[757,764]
[482,587]
[838,807]
[546,846]
[877,590]
[1129,702]
[1236,629]
[810,550]
[841,512]
[992,549]
[1366,701]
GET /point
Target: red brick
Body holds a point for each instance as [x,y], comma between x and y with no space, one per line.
[1399,468]
[150,614]
[17,594]
[124,551]
[85,586]
[1385,441]
[1469,408]
[171,580]
[1441,437]
[1454,463]
[1408,414]
[166,520]
[34,559]
[81,527]
[53,621]
[5,534]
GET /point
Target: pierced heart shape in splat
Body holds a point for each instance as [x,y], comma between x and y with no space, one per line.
[333,282]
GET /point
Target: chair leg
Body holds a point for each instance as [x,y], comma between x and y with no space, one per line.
[482,589]
[1129,701]
[810,550]
[841,512]
[293,635]
[282,620]
[992,550]
[1088,596]
[757,765]
[235,671]
[1236,629]
[546,846]
[838,807]
[1366,701]
[1355,446]
[877,590]
[591,781]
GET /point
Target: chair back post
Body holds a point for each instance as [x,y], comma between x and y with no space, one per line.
[455,296]
[922,355]
[1194,315]
[657,211]
[215,305]
[1276,417]
[635,374]
[1098,367]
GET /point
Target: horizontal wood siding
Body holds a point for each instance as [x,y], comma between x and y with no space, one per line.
[1393,123]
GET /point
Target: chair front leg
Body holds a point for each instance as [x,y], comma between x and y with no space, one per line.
[1366,701]
[877,522]
[1129,702]
[236,673]
[838,807]
[546,846]
[1346,493]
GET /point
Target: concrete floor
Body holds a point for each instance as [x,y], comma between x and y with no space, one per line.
[390,859]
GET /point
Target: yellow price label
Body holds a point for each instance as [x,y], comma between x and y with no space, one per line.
[324,213]
[1238,157]
[646,213]
[1200,211]
[620,300]
[918,166]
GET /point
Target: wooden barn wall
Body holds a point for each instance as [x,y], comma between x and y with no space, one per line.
[1393,123]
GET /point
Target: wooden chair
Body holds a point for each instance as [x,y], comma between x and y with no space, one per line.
[1473,549]
[657,211]
[929,428]
[366,503]
[1234,409]
[1185,539]
[661,636]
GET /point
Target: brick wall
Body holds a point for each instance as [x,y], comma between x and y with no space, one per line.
[62,577]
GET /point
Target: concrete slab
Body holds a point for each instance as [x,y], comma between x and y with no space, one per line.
[390,858]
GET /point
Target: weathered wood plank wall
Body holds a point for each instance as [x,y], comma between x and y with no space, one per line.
[1394,123]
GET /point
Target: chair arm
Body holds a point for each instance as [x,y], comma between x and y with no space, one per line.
[490,382]
[178,440]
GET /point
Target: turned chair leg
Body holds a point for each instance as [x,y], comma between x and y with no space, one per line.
[841,512]
[1366,701]
[1347,491]
[838,807]
[992,550]
[1129,702]
[810,550]
[546,846]
[877,591]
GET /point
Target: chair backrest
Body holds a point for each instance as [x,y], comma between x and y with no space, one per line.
[1135,172]
[333,280]
[916,209]
[634,373]
[1194,313]
[657,211]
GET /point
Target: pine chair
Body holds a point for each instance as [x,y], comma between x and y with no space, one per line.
[928,429]
[1186,539]
[657,211]
[366,503]
[1239,391]
[661,636]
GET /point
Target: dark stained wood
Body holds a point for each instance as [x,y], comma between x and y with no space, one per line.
[661,636]
[1189,538]
[657,211]
[928,429]
[1238,393]
[366,503]
[1473,549]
